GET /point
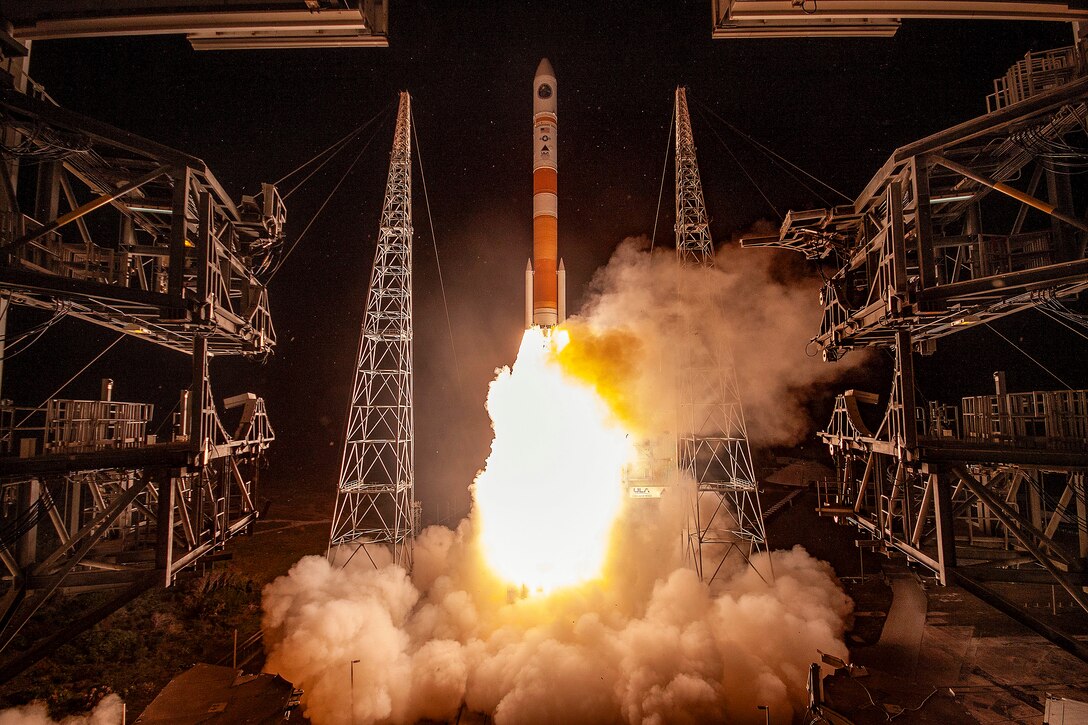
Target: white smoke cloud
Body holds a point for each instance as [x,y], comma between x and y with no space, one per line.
[647,642]
[750,303]
[591,655]
[109,711]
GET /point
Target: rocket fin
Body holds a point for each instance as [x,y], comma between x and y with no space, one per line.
[528,294]
[561,275]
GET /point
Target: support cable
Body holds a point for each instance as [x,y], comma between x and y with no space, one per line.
[333,147]
[69,380]
[59,310]
[437,261]
[1029,357]
[1071,315]
[37,331]
[1047,313]
[320,209]
[1057,308]
[776,156]
[332,150]
[167,416]
[287,195]
[18,337]
[742,168]
[664,168]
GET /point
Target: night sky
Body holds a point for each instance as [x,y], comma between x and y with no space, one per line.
[835,107]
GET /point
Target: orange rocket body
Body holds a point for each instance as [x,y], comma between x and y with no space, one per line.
[545,277]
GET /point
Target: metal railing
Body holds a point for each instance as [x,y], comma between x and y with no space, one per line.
[72,426]
[1049,419]
[1034,74]
[95,424]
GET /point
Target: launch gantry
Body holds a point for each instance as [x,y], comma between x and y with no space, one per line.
[375,500]
[711,440]
[957,230]
[105,227]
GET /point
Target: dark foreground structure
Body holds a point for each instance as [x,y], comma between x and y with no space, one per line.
[964,227]
[212,694]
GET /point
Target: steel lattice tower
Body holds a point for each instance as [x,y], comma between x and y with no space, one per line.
[712,440]
[375,501]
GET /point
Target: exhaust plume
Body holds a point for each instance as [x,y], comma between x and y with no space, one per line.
[503,616]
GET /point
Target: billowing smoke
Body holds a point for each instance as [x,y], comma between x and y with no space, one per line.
[644,642]
[595,654]
[751,304]
[109,711]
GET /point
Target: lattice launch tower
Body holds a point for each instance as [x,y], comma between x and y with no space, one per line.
[375,501]
[724,517]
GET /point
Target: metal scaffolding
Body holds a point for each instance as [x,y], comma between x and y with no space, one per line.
[950,234]
[711,439]
[138,238]
[375,502]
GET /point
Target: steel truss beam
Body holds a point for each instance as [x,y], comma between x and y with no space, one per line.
[970,524]
[712,440]
[134,236]
[213,26]
[992,491]
[911,250]
[95,528]
[935,511]
[853,18]
[180,260]
[375,501]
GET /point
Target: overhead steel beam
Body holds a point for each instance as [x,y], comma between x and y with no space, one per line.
[989,573]
[85,209]
[841,18]
[209,28]
[863,28]
[1012,192]
[262,41]
[951,451]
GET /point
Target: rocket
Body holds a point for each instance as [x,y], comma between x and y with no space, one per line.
[545,283]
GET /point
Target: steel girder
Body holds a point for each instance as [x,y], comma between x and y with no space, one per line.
[139,238]
[919,258]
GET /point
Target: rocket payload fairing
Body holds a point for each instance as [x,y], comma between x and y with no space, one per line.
[545,282]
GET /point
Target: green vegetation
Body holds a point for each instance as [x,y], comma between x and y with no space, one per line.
[138,649]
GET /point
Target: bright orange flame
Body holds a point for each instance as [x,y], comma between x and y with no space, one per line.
[553,485]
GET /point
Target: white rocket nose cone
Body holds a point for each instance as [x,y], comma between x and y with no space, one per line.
[544,89]
[545,68]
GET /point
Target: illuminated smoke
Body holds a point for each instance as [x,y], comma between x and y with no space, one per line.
[752,303]
[109,711]
[610,626]
[557,456]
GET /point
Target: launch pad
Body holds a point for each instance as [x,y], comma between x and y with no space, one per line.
[981,494]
